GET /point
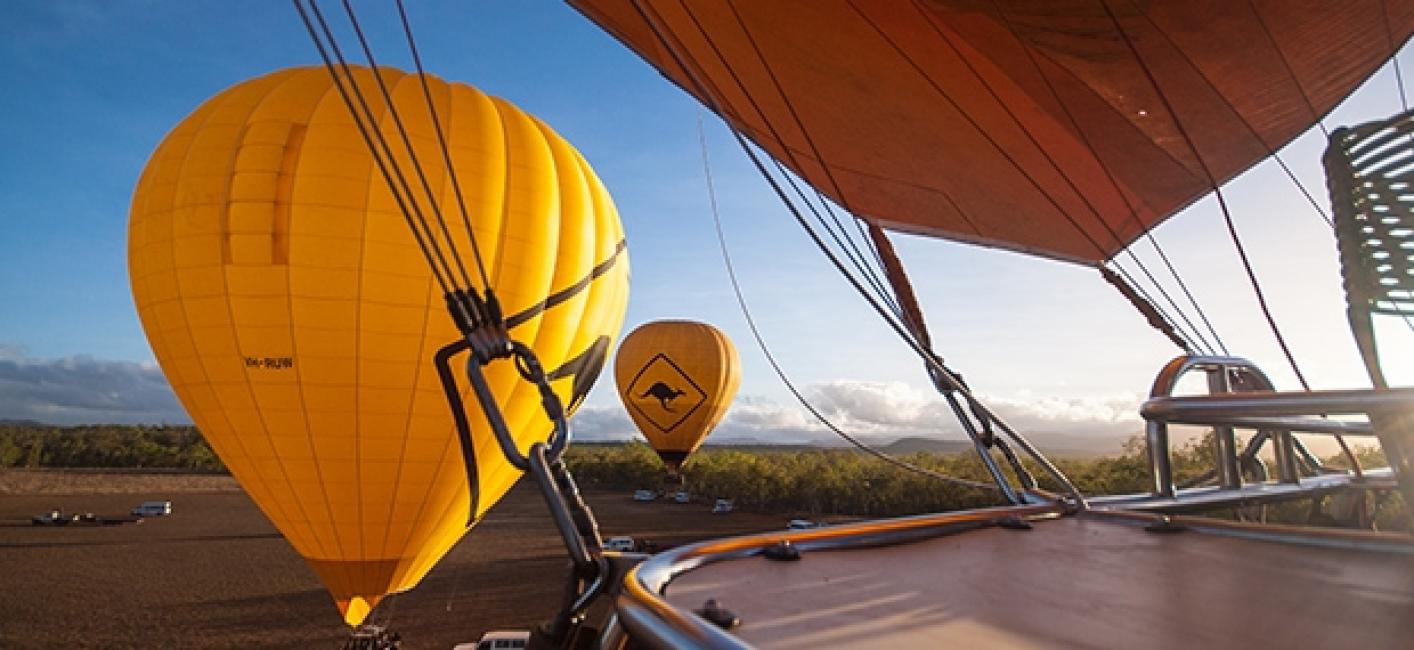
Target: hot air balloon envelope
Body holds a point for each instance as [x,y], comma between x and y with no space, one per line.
[296,317]
[676,378]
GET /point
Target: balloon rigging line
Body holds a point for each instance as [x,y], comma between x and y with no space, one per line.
[1226,212]
[1094,210]
[442,143]
[900,330]
[1196,334]
[1182,333]
[928,358]
[1398,76]
[1305,97]
[1217,192]
[857,258]
[1132,211]
[776,366]
[432,202]
[852,251]
[1021,126]
[429,249]
[1275,154]
[1285,63]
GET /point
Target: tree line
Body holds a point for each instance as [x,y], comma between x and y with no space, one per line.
[806,481]
[106,446]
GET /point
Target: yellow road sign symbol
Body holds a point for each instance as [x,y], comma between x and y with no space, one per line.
[664,394]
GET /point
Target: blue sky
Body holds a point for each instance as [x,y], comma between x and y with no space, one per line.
[92,87]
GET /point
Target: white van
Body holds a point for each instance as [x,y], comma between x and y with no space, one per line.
[723,506]
[499,640]
[152,509]
[624,544]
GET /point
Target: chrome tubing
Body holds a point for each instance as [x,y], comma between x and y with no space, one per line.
[1275,413]
[653,622]
[1220,370]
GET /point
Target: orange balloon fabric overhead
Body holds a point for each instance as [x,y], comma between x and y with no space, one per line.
[676,378]
[1052,127]
[295,316]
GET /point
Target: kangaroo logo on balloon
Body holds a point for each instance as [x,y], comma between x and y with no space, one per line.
[664,393]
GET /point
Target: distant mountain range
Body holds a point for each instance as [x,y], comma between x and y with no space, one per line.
[1051,444]
[1060,445]
[21,423]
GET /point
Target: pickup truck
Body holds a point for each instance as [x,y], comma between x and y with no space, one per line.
[55,517]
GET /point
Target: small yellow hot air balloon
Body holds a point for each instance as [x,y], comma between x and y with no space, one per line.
[676,378]
[295,316]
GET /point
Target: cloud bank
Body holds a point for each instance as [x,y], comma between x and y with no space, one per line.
[84,390]
[881,412]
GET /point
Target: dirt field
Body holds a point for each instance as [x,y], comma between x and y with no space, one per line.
[215,574]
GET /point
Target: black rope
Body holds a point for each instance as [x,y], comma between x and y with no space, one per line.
[852,251]
[429,248]
[442,143]
[1398,76]
[1149,298]
[776,366]
[1133,212]
[898,329]
[1198,334]
[1146,308]
[856,257]
[1217,192]
[1035,184]
[393,112]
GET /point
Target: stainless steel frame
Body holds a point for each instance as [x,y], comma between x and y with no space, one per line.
[644,615]
[1275,415]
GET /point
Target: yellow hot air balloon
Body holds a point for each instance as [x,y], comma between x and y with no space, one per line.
[676,378]
[295,316]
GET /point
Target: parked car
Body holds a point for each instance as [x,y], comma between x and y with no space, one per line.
[152,509]
[681,496]
[498,640]
[55,517]
[645,495]
[625,544]
[722,507]
[801,524]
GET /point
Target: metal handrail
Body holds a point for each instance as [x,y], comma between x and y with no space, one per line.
[650,619]
[1274,414]
[1221,371]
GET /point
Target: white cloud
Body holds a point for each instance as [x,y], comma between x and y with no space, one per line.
[84,390]
[884,411]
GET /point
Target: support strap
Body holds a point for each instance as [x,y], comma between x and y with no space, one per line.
[1156,320]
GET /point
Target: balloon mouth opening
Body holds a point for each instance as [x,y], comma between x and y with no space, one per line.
[356,608]
[672,461]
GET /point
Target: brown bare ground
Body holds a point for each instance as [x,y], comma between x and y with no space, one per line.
[216,574]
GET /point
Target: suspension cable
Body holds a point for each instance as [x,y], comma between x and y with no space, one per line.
[856,257]
[1217,192]
[1226,212]
[442,142]
[1182,314]
[1398,76]
[429,247]
[432,202]
[776,366]
[1133,212]
[1130,281]
[898,329]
